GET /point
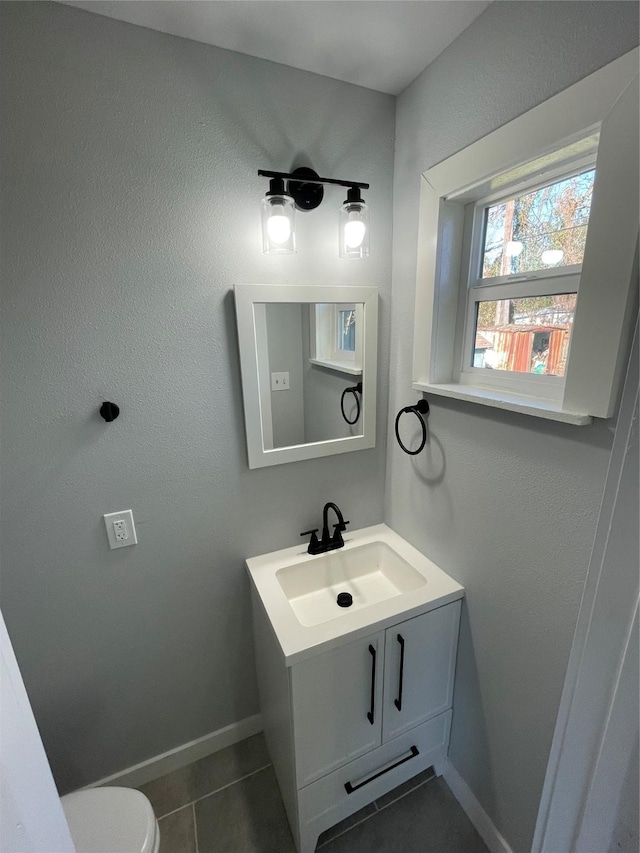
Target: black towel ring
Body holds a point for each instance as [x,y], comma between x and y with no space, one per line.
[357,389]
[421,408]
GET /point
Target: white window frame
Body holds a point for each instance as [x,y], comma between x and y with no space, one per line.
[538,144]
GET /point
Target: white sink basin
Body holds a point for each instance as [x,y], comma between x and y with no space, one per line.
[385,575]
[370,573]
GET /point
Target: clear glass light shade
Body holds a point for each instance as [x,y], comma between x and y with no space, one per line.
[278,225]
[354,230]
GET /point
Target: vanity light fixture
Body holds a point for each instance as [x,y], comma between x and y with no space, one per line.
[305,191]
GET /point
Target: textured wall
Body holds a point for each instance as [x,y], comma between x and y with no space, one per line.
[130,207]
[322,393]
[284,337]
[506,503]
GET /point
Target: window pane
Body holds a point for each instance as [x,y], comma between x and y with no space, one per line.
[539,230]
[347,330]
[528,335]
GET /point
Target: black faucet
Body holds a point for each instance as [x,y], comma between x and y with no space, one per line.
[328,542]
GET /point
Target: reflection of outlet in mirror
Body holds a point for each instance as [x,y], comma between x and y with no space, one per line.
[280,381]
[121,531]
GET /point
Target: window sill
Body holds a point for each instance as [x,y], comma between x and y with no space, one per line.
[547,409]
[337,365]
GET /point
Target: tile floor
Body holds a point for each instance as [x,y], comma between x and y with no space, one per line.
[229,803]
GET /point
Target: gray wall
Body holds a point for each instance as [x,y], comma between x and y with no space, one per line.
[626,834]
[322,392]
[505,503]
[130,207]
[284,337]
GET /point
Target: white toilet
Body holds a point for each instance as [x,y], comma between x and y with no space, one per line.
[111,820]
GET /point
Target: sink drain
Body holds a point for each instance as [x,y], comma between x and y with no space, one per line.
[344,599]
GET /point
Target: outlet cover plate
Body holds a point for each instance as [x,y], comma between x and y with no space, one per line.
[280,381]
[127,517]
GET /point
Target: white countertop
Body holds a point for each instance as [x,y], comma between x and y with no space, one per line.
[299,642]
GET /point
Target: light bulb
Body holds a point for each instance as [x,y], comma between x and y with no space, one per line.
[514,248]
[278,226]
[354,231]
[552,256]
[278,223]
[353,220]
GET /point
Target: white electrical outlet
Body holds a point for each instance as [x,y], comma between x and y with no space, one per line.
[121,531]
[280,381]
[120,528]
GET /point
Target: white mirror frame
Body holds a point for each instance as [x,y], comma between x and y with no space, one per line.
[247,296]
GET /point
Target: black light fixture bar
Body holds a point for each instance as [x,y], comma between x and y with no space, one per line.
[311,180]
[303,189]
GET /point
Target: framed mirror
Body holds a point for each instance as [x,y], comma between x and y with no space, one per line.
[308,358]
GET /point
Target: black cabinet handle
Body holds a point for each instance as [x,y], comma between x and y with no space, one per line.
[372,651]
[349,788]
[398,702]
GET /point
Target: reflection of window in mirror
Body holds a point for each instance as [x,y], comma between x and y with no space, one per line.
[336,339]
[347,331]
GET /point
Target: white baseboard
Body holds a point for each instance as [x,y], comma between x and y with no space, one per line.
[179,757]
[474,811]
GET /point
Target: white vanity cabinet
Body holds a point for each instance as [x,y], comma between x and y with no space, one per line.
[346,725]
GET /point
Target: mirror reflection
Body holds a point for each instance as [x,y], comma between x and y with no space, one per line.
[310,371]
[308,358]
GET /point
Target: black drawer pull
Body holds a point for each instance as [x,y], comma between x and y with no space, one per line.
[398,702]
[349,788]
[373,684]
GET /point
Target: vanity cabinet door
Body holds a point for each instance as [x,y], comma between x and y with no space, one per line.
[337,706]
[420,656]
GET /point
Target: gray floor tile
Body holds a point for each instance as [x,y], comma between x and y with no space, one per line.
[427,820]
[247,817]
[347,823]
[183,786]
[407,786]
[178,832]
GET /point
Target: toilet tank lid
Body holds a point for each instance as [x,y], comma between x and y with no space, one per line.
[110,819]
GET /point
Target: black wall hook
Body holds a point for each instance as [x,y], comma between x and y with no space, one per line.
[355,390]
[109,411]
[421,408]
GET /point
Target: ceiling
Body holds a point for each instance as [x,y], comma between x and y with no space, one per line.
[380,44]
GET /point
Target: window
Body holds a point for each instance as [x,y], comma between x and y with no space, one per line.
[536,232]
[528,335]
[526,251]
[335,341]
[527,291]
[347,331]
